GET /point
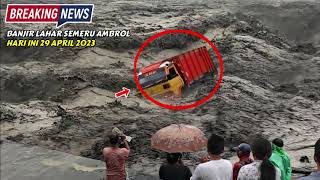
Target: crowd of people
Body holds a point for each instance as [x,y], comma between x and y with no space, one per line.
[270,162]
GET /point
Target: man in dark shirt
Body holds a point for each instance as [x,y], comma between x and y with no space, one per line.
[243,152]
[174,169]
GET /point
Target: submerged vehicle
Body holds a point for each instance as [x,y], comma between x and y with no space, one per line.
[172,74]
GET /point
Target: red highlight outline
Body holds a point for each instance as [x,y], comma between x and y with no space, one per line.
[178,107]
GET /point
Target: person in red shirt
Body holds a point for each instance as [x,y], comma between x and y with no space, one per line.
[243,152]
[115,158]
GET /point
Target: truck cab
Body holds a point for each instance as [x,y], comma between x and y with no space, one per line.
[161,78]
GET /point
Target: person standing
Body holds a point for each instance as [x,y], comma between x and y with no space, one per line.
[261,168]
[216,168]
[116,157]
[174,168]
[280,159]
[243,153]
[315,175]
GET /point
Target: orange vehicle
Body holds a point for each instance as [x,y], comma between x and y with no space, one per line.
[172,74]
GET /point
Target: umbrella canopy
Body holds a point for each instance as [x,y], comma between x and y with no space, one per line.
[179,138]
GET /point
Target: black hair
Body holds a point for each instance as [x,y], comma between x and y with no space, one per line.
[317,151]
[278,142]
[262,150]
[173,158]
[113,139]
[215,144]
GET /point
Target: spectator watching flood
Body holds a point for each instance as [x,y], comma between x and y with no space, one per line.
[280,159]
[116,157]
[243,153]
[216,168]
[174,168]
[261,168]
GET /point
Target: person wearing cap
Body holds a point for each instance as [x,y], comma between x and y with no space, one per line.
[261,168]
[280,159]
[243,152]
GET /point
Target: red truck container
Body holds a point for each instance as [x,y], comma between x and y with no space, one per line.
[193,64]
[170,75]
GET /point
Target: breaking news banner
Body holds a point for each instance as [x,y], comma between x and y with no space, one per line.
[55,36]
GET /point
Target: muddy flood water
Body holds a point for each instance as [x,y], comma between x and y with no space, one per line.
[62,99]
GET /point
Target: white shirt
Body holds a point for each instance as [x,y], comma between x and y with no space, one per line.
[213,170]
[252,171]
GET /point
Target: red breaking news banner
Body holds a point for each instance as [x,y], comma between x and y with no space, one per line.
[32,13]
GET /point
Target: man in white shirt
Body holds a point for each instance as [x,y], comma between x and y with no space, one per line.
[216,168]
